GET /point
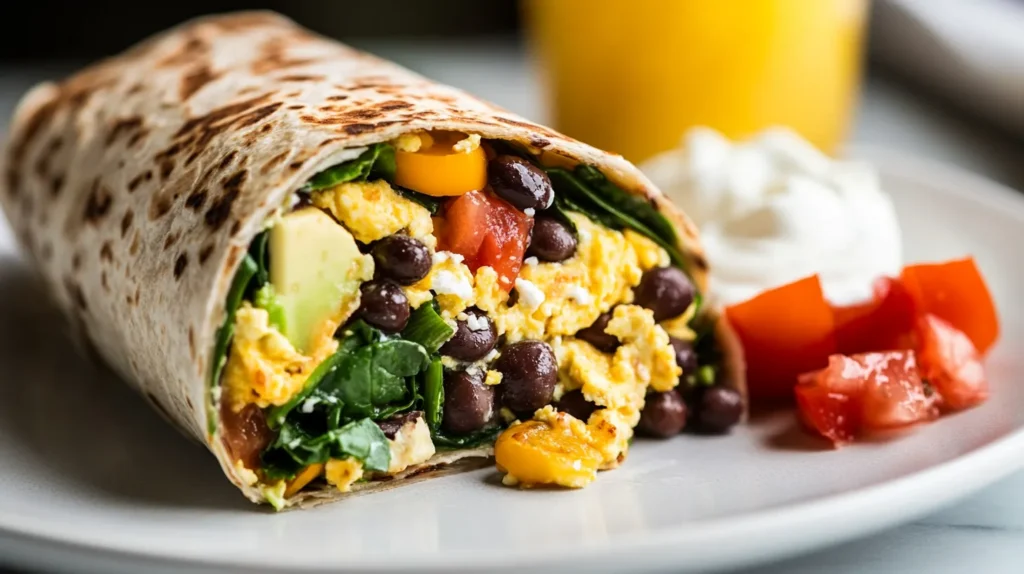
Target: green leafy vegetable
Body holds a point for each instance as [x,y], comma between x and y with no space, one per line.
[706,375]
[294,448]
[261,255]
[473,439]
[266,299]
[560,210]
[370,378]
[612,206]
[432,204]
[427,328]
[378,160]
[246,271]
[637,208]
[277,415]
[433,393]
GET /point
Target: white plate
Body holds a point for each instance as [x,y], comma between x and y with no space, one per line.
[91,479]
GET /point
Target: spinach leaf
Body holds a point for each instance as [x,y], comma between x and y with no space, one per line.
[638,208]
[372,377]
[432,204]
[377,160]
[427,328]
[276,415]
[261,255]
[473,439]
[294,448]
[265,298]
[560,210]
[246,271]
[607,207]
[433,393]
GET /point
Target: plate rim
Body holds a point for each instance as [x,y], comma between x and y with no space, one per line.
[905,498]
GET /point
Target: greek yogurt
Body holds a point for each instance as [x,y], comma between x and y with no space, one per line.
[774,209]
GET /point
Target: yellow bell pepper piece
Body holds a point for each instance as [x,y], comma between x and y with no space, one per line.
[536,453]
[441,170]
[304,477]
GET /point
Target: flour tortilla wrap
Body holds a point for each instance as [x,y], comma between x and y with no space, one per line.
[137,185]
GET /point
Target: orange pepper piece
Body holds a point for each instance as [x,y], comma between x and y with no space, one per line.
[956,292]
[304,477]
[536,453]
[440,170]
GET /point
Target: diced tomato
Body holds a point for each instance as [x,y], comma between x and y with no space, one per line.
[246,433]
[487,231]
[865,392]
[956,292]
[886,322]
[951,364]
[465,223]
[785,332]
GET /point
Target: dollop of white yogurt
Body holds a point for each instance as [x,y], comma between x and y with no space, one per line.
[774,209]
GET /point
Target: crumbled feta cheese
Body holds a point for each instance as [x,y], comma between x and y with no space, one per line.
[531,261]
[468,144]
[439,257]
[529,295]
[530,211]
[456,257]
[447,283]
[583,233]
[580,295]
[308,404]
[295,443]
[504,280]
[477,322]
[462,316]
[493,354]
[474,370]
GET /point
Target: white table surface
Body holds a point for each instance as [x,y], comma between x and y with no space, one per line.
[984,533]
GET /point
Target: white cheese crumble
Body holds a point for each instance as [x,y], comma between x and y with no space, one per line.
[531,261]
[477,323]
[490,356]
[468,144]
[580,295]
[529,294]
[530,211]
[447,283]
[308,404]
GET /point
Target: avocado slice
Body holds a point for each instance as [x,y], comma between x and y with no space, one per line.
[315,268]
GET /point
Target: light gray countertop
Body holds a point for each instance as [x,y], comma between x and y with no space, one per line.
[985,532]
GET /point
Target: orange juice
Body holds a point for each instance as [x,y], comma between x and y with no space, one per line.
[632,76]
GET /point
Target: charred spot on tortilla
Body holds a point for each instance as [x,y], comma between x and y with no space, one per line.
[138,180]
[204,253]
[56,185]
[126,126]
[76,261]
[107,251]
[220,209]
[98,203]
[190,50]
[171,239]
[180,264]
[103,280]
[159,206]
[195,80]
[166,168]
[126,221]
[195,200]
[274,162]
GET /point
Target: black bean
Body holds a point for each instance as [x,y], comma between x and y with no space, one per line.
[551,240]
[596,336]
[402,258]
[384,305]
[520,183]
[720,409]
[529,372]
[469,344]
[686,357]
[392,425]
[468,402]
[665,290]
[574,403]
[664,414]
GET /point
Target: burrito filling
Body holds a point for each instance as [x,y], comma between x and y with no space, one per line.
[445,292]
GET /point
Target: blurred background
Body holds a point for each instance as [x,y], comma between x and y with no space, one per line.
[942,77]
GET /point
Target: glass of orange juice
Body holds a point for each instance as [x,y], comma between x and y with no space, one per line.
[632,76]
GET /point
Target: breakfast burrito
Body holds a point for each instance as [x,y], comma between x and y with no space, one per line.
[341,276]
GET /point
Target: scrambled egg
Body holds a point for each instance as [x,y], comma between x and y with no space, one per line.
[560,298]
[263,366]
[411,445]
[371,210]
[343,473]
